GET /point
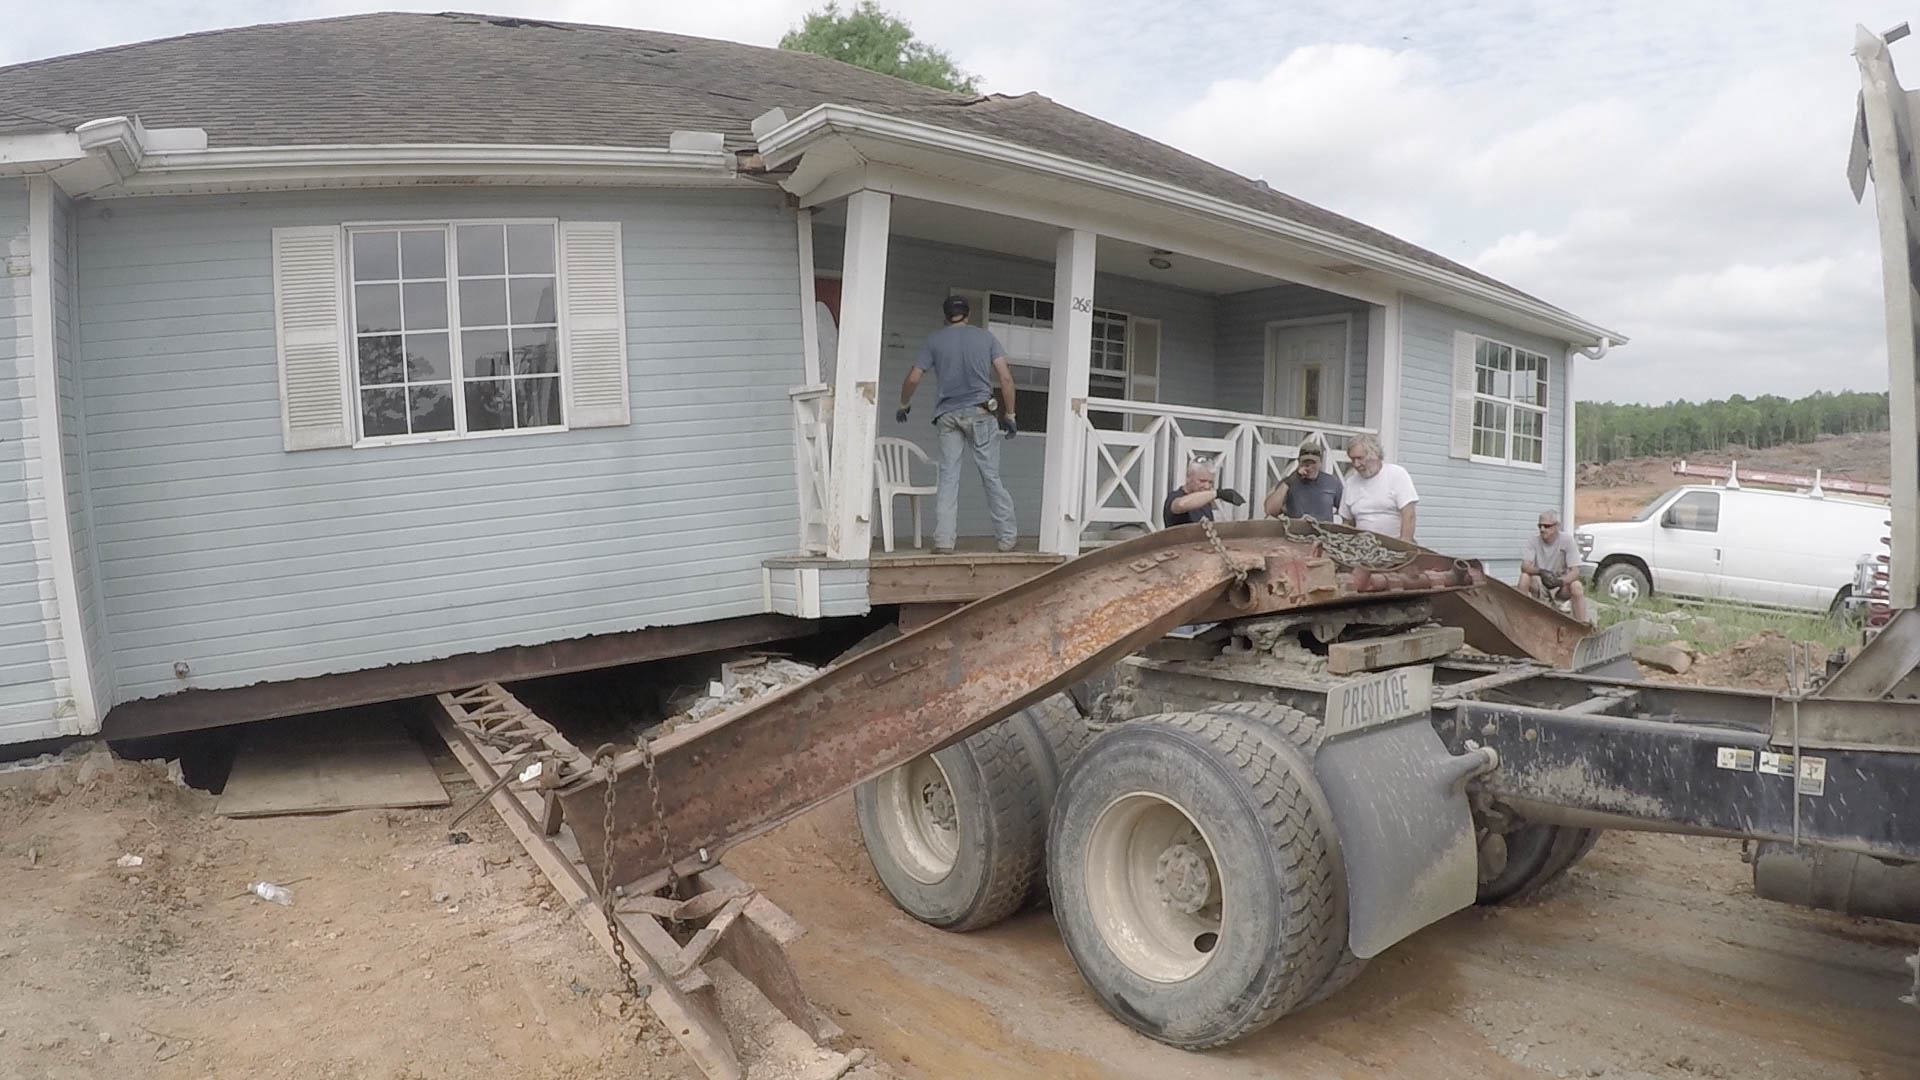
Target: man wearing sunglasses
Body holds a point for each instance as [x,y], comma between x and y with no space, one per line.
[1550,559]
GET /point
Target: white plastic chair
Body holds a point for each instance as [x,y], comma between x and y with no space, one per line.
[893,475]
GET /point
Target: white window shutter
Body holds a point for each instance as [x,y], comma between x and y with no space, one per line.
[1463,385]
[595,330]
[309,309]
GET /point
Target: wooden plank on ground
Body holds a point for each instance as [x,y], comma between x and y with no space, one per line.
[1375,654]
[360,761]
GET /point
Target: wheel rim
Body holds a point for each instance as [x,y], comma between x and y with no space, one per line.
[1623,588]
[918,817]
[1154,887]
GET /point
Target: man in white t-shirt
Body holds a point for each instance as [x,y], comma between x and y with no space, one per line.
[1378,497]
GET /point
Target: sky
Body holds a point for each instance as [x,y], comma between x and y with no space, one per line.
[1670,169]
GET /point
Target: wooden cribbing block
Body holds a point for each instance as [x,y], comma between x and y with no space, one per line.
[1376,654]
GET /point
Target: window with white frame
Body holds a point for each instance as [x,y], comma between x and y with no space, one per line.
[1509,404]
[456,329]
[1024,327]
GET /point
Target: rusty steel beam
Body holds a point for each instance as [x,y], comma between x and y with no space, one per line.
[1504,621]
[191,710]
[739,774]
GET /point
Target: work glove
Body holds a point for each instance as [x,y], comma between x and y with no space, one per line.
[1008,427]
[900,415]
[1230,497]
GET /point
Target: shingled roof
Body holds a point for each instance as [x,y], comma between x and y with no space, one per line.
[461,78]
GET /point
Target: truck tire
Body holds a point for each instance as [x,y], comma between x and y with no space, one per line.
[1149,817]
[958,837]
[1536,855]
[1630,581]
[1304,732]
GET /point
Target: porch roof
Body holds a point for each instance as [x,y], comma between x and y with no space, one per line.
[396,79]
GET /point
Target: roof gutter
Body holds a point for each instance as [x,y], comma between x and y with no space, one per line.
[787,141]
[146,166]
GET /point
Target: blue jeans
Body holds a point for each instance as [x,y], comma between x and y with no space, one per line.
[975,430]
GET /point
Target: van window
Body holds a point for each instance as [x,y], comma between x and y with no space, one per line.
[1696,510]
[1648,510]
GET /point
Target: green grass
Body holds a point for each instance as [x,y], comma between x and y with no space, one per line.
[1728,624]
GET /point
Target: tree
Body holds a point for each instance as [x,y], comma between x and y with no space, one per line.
[874,39]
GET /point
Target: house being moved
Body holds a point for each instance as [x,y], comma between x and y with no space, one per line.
[366,357]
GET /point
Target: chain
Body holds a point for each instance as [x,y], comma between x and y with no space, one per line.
[1213,537]
[604,759]
[659,815]
[1354,550]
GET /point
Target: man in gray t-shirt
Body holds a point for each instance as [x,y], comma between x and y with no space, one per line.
[1309,492]
[966,362]
[1550,558]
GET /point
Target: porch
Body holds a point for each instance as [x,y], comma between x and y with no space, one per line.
[1129,361]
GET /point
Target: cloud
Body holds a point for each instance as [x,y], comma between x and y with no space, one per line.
[1707,219]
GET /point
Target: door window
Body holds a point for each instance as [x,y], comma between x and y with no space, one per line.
[1697,511]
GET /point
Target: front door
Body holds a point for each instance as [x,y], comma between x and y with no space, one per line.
[1307,370]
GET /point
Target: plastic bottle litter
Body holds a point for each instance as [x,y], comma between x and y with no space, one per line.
[267,890]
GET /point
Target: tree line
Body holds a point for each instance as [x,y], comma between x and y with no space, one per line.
[1605,431]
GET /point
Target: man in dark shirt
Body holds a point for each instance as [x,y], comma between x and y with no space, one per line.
[1309,492]
[1195,499]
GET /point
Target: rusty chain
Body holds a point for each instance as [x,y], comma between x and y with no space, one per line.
[1213,537]
[604,759]
[1359,549]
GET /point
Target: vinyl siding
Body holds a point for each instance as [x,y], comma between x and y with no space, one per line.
[34,702]
[1241,347]
[843,589]
[920,274]
[218,549]
[1469,509]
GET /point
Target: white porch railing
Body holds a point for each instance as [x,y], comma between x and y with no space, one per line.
[1127,473]
[812,421]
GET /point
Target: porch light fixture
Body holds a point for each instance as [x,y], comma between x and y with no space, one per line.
[1159,262]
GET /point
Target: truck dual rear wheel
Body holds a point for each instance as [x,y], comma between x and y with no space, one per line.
[1192,879]
[958,837]
[1535,855]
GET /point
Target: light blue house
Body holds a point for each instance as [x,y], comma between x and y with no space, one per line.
[364,357]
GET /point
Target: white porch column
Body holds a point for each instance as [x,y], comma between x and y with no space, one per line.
[857,376]
[1066,389]
[1383,375]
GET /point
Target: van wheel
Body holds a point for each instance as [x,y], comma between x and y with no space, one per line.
[1622,583]
[1839,614]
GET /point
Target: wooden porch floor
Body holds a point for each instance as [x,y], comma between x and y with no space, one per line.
[908,575]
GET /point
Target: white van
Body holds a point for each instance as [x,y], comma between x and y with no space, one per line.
[1768,548]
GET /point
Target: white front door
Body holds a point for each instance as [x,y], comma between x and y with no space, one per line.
[1307,370]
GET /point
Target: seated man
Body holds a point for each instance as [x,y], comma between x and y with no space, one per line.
[1309,492]
[1194,500]
[1550,559]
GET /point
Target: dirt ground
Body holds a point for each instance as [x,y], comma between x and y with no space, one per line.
[1617,490]
[407,958]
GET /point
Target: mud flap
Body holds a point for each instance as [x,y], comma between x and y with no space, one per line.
[1400,806]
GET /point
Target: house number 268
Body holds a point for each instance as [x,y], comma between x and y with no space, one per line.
[1083,303]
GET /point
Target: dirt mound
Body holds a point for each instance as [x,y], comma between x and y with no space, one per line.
[90,776]
[1759,662]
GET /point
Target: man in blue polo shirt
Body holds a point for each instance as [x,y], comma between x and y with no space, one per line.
[966,361]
